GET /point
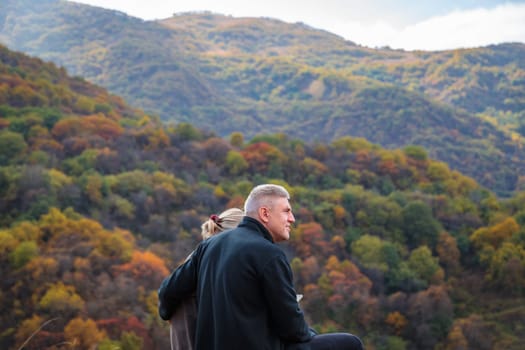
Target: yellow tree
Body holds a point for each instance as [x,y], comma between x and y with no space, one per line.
[60,298]
[496,234]
[27,329]
[507,268]
[456,339]
[116,244]
[237,139]
[83,333]
[396,321]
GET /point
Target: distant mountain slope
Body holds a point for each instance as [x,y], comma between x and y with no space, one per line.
[31,85]
[263,75]
[122,53]
[482,80]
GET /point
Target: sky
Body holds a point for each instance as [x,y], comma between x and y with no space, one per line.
[399,24]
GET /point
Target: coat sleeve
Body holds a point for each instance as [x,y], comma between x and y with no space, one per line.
[287,317]
[180,284]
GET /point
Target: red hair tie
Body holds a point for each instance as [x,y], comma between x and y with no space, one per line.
[216,219]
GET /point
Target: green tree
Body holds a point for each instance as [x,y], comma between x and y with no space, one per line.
[403,278]
[418,225]
[187,132]
[425,265]
[369,250]
[12,145]
[23,253]
[235,163]
[416,152]
[394,343]
[108,344]
[131,341]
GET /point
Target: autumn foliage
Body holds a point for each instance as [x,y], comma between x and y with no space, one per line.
[98,203]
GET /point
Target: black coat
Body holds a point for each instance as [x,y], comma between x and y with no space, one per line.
[245,293]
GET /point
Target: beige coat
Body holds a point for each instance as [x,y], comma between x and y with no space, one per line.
[182,325]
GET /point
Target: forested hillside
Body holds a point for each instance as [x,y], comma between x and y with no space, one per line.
[98,202]
[225,74]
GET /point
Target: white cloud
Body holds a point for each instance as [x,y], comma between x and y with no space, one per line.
[374,34]
[375,24]
[469,28]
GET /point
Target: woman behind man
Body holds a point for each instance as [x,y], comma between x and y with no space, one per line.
[182,323]
[245,286]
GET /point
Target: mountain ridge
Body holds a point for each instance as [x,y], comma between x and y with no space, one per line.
[255,74]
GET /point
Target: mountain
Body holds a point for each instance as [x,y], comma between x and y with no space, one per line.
[98,201]
[226,74]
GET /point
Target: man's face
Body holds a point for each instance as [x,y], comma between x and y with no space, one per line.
[280,219]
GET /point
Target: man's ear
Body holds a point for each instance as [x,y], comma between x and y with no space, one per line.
[264,214]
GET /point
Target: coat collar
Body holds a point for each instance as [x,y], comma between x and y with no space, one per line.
[256,225]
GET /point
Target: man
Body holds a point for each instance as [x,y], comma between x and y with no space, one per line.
[244,285]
